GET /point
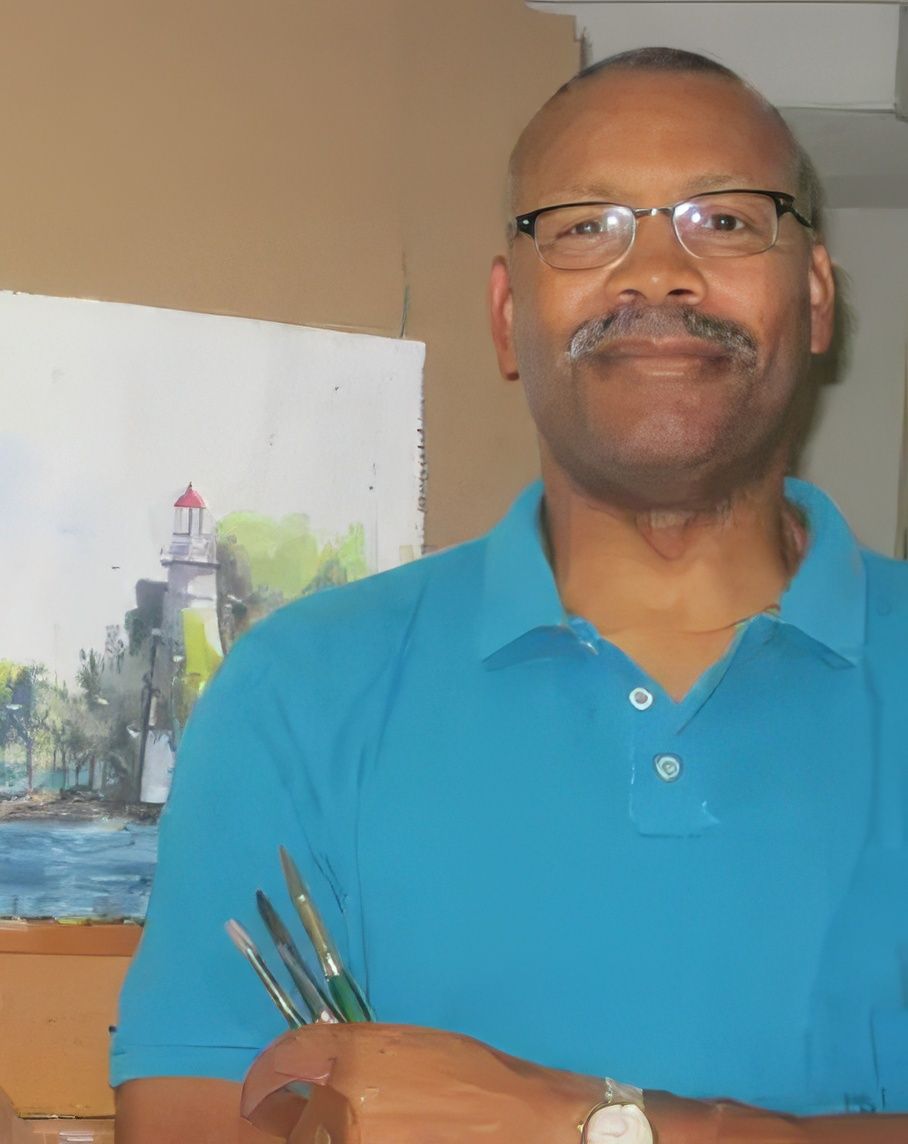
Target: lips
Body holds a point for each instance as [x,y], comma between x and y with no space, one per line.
[660,348]
[668,332]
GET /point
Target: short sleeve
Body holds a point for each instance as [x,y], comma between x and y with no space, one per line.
[191,1005]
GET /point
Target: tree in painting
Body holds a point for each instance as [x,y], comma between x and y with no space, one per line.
[111,739]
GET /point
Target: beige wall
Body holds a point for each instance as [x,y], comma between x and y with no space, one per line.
[298,160]
[463,108]
[855,451]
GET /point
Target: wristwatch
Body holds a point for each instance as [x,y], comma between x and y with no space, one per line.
[618,1116]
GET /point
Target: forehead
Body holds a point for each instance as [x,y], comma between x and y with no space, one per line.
[647,137]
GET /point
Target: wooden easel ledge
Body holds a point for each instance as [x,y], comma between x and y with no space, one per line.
[75,937]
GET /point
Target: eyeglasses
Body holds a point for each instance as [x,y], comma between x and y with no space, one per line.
[716,224]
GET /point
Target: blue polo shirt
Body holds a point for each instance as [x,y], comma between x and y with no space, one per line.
[515,833]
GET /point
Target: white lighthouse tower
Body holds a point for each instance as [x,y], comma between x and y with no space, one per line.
[191,562]
[190,640]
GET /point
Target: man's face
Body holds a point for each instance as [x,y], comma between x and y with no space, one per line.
[659,416]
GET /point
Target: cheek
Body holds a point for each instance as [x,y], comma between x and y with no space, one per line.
[774,308]
[745,298]
[549,306]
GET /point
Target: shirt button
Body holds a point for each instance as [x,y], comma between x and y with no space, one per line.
[641,698]
[668,767]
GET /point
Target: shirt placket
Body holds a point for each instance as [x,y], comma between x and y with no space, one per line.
[669,792]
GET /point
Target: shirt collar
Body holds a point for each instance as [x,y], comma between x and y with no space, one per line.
[519,594]
[826,600]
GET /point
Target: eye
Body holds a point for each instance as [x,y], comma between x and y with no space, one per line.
[718,219]
[582,231]
[726,222]
[590,227]
[727,215]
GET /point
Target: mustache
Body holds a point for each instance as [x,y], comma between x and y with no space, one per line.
[664,322]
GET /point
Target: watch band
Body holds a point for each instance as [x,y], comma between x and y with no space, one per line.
[619,1115]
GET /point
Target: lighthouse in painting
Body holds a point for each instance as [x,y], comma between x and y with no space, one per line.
[191,560]
[187,651]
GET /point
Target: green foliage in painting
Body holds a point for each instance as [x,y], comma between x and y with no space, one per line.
[9,672]
[90,674]
[283,558]
[264,562]
[53,739]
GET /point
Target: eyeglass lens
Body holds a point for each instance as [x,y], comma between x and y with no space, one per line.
[711,226]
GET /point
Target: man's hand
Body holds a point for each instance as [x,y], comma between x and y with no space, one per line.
[393,1084]
[390,1084]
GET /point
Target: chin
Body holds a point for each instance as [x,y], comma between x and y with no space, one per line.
[668,481]
[688,459]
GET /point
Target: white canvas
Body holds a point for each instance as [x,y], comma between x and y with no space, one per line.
[166,478]
[109,410]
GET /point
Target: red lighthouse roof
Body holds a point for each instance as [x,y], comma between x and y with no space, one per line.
[190,499]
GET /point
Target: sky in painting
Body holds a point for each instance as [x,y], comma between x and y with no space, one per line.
[110,410]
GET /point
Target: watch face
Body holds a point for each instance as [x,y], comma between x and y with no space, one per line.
[618,1122]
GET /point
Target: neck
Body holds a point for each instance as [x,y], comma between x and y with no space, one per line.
[684,572]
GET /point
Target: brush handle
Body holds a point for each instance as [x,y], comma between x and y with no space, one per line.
[348,999]
[247,948]
[347,996]
[318,1004]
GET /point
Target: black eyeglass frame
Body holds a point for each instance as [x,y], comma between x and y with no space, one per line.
[784,204]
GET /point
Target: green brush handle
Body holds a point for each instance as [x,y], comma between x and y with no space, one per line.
[347,998]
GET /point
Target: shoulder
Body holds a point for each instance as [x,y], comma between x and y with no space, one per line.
[887,575]
[325,667]
[361,625]
[887,610]
[887,584]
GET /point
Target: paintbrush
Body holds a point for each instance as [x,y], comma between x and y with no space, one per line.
[346,994]
[246,946]
[316,1002]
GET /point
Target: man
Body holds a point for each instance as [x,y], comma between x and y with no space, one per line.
[619,788]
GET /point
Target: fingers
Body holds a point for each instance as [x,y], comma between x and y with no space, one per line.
[320,1055]
[310,1054]
[327,1119]
[266,1101]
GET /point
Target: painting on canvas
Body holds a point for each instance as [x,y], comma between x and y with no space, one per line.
[166,479]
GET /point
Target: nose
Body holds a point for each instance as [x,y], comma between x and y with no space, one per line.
[657,269]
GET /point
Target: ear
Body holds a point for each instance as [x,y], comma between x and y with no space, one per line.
[501,311]
[822,299]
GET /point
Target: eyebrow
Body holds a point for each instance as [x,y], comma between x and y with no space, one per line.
[602,192]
